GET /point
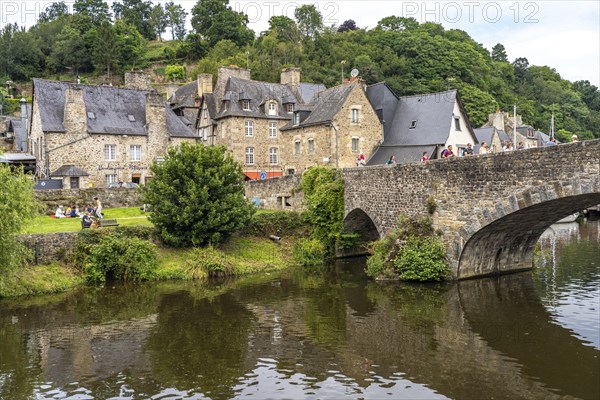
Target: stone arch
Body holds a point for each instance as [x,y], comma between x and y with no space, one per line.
[506,242]
[359,221]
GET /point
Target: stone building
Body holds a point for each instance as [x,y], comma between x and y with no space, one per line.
[96,135]
[526,134]
[334,129]
[419,123]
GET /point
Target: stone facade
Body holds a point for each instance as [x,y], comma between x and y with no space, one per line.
[103,158]
[491,209]
[333,145]
[50,247]
[282,193]
[110,198]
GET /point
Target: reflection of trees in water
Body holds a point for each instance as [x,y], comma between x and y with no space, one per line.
[200,344]
[16,376]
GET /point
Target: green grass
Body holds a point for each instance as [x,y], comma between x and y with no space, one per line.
[124,216]
[155,50]
[34,280]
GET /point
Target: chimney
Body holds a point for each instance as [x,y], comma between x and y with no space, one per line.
[290,77]
[21,139]
[232,71]
[137,80]
[171,89]
[75,116]
[204,84]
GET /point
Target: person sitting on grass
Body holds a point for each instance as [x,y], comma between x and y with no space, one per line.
[86,220]
[59,212]
[74,211]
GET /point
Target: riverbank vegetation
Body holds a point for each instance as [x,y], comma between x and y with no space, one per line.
[412,252]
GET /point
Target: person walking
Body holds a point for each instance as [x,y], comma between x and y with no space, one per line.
[392,160]
[425,156]
[448,153]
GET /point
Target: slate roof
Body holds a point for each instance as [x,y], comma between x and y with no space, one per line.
[69,170]
[485,135]
[384,102]
[116,111]
[325,107]
[176,126]
[185,96]
[308,91]
[259,93]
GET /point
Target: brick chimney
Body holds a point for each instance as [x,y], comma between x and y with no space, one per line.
[290,77]
[205,85]
[232,71]
[75,116]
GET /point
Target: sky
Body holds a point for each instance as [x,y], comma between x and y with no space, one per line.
[564,35]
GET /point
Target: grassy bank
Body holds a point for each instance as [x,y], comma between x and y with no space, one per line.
[131,216]
[249,252]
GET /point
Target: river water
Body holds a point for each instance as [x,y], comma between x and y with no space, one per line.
[318,335]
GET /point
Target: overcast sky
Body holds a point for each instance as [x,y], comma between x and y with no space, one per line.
[564,35]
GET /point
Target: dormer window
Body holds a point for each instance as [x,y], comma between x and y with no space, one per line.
[272,108]
[131,118]
[246,105]
[296,118]
[225,105]
[413,124]
[289,108]
[91,115]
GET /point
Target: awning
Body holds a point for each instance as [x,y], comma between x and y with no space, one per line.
[256,175]
[16,158]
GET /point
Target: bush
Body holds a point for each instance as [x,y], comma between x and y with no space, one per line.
[197,196]
[174,72]
[114,256]
[280,223]
[422,259]
[380,251]
[309,252]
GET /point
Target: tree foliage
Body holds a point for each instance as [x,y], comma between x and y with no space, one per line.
[197,196]
[215,20]
[17,207]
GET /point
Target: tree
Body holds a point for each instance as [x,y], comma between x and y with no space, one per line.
[17,207]
[310,20]
[158,20]
[130,44]
[348,25]
[53,12]
[393,23]
[96,10]
[106,51]
[197,195]
[215,21]
[499,53]
[136,13]
[176,20]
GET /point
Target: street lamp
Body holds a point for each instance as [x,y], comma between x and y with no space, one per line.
[343,62]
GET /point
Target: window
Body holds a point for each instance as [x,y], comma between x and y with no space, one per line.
[290,107]
[355,145]
[272,106]
[222,129]
[413,124]
[205,113]
[205,134]
[249,155]
[131,118]
[273,156]
[135,152]
[74,182]
[355,115]
[108,179]
[225,105]
[249,129]
[296,118]
[457,123]
[91,115]
[272,129]
[311,146]
[297,147]
[246,105]
[110,152]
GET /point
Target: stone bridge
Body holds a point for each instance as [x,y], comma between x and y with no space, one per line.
[491,209]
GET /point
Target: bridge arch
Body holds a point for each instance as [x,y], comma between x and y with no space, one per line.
[503,239]
[360,222]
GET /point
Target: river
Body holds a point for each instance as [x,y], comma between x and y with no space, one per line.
[329,334]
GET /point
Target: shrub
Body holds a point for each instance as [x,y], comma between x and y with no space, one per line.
[113,256]
[309,252]
[280,223]
[197,196]
[174,72]
[208,261]
[422,259]
[431,205]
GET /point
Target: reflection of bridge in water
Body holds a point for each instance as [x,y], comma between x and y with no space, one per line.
[491,209]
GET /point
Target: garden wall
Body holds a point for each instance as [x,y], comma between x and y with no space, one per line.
[282,193]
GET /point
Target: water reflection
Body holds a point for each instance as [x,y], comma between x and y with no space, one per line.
[331,334]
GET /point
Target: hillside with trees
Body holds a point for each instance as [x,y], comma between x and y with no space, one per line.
[98,43]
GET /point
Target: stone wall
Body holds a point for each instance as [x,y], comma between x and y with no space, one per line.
[50,247]
[491,209]
[110,198]
[284,193]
